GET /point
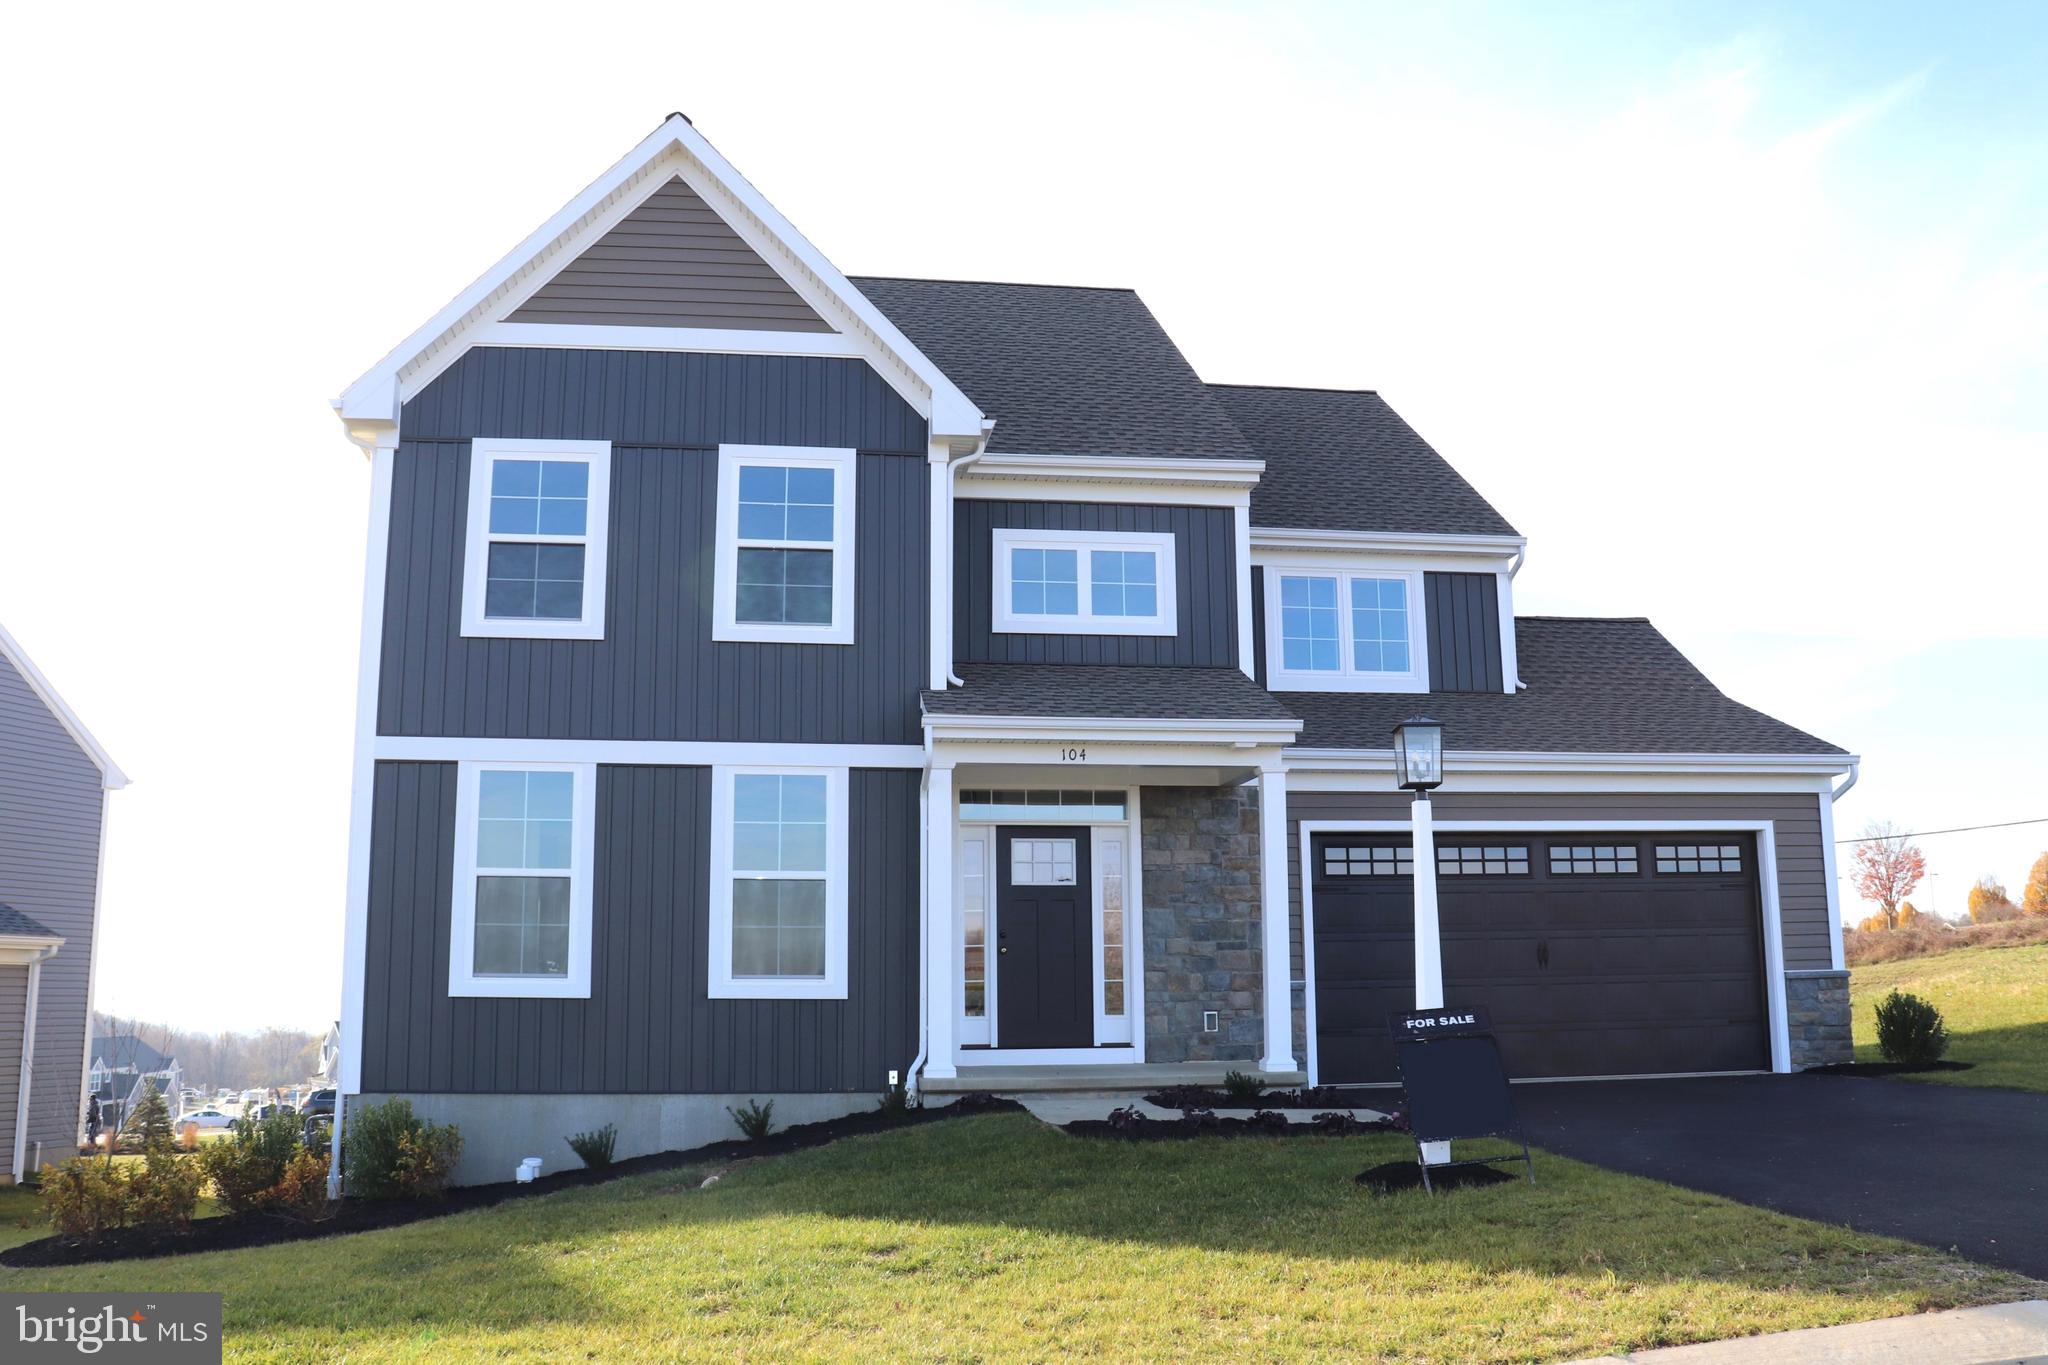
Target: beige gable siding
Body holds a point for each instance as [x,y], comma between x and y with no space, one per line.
[673,262]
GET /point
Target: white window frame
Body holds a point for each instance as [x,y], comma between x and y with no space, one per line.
[1345,678]
[844,463]
[462,977]
[483,452]
[721,983]
[1164,621]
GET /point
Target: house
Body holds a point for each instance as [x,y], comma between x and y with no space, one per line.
[122,1064]
[54,783]
[775,682]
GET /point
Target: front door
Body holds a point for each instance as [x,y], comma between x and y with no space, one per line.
[1045,981]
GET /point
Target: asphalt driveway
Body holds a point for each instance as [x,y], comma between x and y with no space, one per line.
[1946,1166]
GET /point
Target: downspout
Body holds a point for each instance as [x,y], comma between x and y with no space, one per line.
[953,469]
[1515,567]
[924,910]
[1855,771]
[28,1052]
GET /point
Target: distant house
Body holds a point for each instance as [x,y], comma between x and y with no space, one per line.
[121,1063]
[54,780]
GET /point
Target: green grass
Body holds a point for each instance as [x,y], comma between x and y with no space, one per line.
[1994,999]
[994,1237]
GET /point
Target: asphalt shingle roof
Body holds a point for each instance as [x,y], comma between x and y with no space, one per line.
[1345,461]
[1595,686]
[1063,370]
[1106,691]
[126,1050]
[14,923]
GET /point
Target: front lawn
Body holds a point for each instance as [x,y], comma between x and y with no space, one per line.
[994,1237]
[1995,1001]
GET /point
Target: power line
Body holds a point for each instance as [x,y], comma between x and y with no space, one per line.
[1927,833]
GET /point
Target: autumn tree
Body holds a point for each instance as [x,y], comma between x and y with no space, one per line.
[2034,900]
[1989,902]
[1887,869]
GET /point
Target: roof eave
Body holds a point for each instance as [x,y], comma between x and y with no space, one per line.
[111,776]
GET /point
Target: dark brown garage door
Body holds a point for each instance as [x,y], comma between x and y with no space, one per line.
[1595,955]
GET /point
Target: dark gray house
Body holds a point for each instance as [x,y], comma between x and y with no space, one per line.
[775,681]
[54,783]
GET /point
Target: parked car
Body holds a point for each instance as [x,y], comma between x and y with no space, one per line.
[212,1116]
[264,1111]
[319,1112]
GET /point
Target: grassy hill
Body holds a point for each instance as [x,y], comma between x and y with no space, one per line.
[1995,1001]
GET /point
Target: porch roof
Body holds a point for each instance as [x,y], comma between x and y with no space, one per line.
[1106,692]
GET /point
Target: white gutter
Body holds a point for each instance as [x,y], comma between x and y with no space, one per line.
[1484,760]
[28,1052]
[1855,771]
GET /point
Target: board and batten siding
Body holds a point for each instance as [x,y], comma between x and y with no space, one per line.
[672,262]
[50,812]
[657,674]
[1205,559]
[648,1026]
[1795,817]
[1461,614]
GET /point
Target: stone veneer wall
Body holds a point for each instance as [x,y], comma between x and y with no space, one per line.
[1201,925]
[1817,1008]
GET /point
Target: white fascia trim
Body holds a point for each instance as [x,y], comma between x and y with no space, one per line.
[680,753]
[1767,891]
[674,149]
[1238,733]
[1388,542]
[1133,468]
[477,538]
[720,983]
[1003,621]
[715,340]
[844,462]
[575,983]
[1504,761]
[16,949]
[111,776]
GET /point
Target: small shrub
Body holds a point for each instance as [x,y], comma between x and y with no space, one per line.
[1910,1031]
[1129,1120]
[163,1190]
[1182,1097]
[1242,1088]
[1269,1121]
[390,1152]
[247,1165]
[756,1120]
[1336,1123]
[895,1100]
[1200,1120]
[84,1198]
[594,1148]
[151,1121]
[301,1190]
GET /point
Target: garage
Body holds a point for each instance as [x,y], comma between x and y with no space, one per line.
[1594,954]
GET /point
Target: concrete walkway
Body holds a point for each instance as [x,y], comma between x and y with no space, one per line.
[1061,1110]
[2004,1334]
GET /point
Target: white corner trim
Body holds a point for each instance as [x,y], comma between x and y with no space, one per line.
[1164,620]
[111,776]
[1241,553]
[720,982]
[1286,540]
[1280,678]
[1510,660]
[477,539]
[463,980]
[845,466]
[710,340]
[362,781]
[1830,872]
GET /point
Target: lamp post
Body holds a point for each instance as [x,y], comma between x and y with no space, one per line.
[1419,767]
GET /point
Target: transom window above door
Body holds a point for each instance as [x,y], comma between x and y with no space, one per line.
[1083,582]
[1344,630]
[785,544]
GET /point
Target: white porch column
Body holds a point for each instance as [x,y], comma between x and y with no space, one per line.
[1277,1002]
[942,979]
[1429,947]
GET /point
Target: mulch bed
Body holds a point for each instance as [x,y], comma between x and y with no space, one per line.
[366,1215]
[1884,1068]
[1321,1097]
[1174,1130]
[1395,1177]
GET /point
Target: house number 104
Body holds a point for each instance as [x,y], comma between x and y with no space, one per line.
[1073,755]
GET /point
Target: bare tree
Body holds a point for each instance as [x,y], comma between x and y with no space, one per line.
[1887,868]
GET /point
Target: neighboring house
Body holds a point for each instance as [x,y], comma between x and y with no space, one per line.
[774,682]
[121,1065]
[54,781]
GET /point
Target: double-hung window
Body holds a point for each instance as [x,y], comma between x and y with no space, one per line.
[785,544]
[521,911]
[1083,582]
[534,556]
[1344,630]
[778,883]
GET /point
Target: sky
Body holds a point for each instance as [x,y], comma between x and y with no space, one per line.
[1738,312]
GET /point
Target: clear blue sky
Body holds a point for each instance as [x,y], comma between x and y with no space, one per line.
[1737,311]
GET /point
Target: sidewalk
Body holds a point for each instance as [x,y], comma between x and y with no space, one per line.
[2003,1334]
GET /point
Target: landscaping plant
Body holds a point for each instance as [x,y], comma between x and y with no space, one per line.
[756,1120]
[248,1167]
[1242,1088]
[84,1197]
[1910,1031]
[389,1152]
[594,1148]
[895,1101]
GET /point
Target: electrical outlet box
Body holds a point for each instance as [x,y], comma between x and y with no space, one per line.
[1209,1022]
[892,1078]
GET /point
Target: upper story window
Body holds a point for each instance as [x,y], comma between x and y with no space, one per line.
[521,910]
[1344,630]
[785,544]
[534,561]
[1083,582]
[778,883]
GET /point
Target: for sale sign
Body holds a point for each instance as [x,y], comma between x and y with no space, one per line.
[1421,1025]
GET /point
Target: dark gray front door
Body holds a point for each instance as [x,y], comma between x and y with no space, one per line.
[1045,994]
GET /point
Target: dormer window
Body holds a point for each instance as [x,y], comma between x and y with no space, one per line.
[1342,629]
[1083,582]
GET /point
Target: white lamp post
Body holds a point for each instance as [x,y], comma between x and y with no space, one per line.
[1418,767]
